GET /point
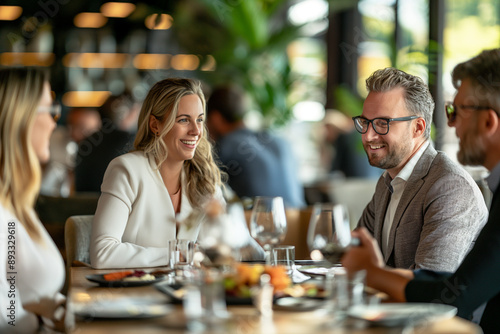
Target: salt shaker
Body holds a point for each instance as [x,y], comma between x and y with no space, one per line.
[263,296]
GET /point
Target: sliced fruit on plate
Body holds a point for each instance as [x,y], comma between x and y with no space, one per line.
[117,275]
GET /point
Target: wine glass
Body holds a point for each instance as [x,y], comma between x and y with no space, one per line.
[223,234]
[268,223]
[329,233]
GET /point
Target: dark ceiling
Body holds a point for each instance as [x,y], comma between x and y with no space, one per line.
[62,12]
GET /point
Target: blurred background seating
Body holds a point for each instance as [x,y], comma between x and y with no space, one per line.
[297,221]
[54,211]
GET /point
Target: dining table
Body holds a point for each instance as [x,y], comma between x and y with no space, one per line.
[244,319]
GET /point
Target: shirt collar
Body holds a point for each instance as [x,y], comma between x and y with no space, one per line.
[494,178]
[405,173]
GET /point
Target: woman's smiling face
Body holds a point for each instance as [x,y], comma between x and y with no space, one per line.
[186,133]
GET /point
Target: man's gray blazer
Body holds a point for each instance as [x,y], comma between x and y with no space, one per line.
[439,216]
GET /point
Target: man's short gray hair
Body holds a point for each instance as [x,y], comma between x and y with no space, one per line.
[417,96]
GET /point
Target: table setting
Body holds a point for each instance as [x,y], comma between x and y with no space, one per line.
[206,288]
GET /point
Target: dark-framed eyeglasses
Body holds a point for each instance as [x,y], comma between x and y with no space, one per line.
[451,110]
[54,110]
[380,125]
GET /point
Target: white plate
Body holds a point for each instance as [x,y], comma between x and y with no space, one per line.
[400,314]
[317,271]
[121,308]
[122,283]
[298,304]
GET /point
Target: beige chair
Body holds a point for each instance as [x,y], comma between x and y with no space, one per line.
[77,231]
[297,221]
[77,239]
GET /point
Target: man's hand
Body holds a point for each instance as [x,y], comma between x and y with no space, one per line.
[364,256]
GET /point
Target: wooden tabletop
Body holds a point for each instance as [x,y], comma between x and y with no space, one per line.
[242,319]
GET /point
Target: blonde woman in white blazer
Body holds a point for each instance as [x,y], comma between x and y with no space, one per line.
[147,191]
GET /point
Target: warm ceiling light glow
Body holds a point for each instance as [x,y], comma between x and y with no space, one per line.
[185,62]
[117,9]
[85,99]
[147,61]
[90,20]
[158,22]
[10,13]
[27,58]
[210,64]
[96,60]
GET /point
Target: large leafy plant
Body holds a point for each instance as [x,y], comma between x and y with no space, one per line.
[248,40]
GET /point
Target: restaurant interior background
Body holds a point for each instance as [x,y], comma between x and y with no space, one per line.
[295,58]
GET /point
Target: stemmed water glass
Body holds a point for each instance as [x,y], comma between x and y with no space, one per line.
[329,233]
[329,237]
[268,223]
[223,234]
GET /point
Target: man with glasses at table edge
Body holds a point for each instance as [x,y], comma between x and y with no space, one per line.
[427,210]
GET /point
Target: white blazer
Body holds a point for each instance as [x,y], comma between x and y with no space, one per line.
[135,216]
[31,275]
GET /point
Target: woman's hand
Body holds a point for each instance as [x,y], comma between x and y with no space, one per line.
[364,256]
[52,312]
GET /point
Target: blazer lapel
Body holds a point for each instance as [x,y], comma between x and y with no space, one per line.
[412,187]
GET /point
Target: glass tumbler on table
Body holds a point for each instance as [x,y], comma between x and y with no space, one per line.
[181,253]
[268,223]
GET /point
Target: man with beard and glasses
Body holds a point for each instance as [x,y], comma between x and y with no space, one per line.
[427,210]
[475,114]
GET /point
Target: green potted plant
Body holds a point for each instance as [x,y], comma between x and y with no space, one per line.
[248,41]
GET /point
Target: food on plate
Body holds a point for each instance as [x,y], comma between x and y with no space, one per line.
[129,275]
[247,276]
[117,275]
[306,290]
[145,277]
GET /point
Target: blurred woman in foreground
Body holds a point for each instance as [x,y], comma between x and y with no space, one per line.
[31,268]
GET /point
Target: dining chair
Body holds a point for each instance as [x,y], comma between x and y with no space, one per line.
[77,232]
[297,221]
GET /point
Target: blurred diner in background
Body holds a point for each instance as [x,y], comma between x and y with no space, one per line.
[257,163]
[115,137]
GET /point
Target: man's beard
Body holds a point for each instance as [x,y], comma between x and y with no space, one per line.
[393,157]
[472,151]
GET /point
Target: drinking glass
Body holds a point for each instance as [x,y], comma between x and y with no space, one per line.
[268,222]
[284,256]
[223,235]
[344,292]
[181,253]
[329,233]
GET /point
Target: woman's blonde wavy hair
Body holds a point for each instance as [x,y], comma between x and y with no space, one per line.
[202,174]
[20,94]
